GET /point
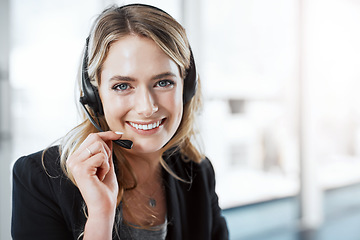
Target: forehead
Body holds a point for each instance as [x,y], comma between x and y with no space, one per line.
[135,55]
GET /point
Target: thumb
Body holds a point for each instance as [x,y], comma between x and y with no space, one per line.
[112,136]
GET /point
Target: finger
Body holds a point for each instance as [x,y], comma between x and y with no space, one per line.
[93,149]
[106,137]
[110,135]
[110,177]
[98,165]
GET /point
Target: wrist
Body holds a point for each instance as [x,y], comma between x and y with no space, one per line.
[102,213]
[99,227]
[101,209]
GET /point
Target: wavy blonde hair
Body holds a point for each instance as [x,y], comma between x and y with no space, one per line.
[112,25]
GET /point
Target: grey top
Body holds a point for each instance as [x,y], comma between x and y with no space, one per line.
[130,231]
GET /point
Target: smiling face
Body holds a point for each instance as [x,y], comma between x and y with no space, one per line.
[141,92]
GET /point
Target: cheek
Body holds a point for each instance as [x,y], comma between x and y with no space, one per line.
[173,101]
[114,108]
[174,105]
[178,105]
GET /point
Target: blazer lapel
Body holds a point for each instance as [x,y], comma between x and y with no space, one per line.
[173,208]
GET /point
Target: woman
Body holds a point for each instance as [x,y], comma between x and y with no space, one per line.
[129,170]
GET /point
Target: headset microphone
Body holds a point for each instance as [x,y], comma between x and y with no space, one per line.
[92,99]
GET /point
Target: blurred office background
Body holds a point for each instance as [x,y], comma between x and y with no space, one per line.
[281,120]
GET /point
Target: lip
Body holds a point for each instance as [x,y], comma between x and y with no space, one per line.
[146,127]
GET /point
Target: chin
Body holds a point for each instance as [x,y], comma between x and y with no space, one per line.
[147,146]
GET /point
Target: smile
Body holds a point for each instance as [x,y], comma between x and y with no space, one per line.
[146,126]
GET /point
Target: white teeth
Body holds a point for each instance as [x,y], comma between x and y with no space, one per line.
[146,127]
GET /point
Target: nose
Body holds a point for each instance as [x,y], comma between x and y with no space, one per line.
[145,103]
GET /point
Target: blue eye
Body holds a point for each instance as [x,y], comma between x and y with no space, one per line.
[165,83]
[121,87]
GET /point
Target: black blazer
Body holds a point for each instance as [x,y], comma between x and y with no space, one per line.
[47,205]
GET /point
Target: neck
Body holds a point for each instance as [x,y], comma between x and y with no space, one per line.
[147,167]
[146,204]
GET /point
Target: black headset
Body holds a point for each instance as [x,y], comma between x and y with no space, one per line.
[91,95]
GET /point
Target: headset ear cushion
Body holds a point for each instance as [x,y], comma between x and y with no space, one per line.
[90,92]
[190,81]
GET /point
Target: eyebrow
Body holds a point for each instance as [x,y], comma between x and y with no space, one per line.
[130,79]
[121,78]
[163,75]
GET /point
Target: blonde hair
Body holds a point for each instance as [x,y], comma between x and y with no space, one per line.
[112,25]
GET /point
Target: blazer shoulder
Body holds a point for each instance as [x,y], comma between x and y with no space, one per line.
[43,199]
[205,167]
[45,162]
[187,169]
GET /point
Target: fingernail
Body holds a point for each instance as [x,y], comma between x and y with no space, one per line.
[119,133]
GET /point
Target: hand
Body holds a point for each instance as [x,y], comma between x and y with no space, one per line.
[93,170]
